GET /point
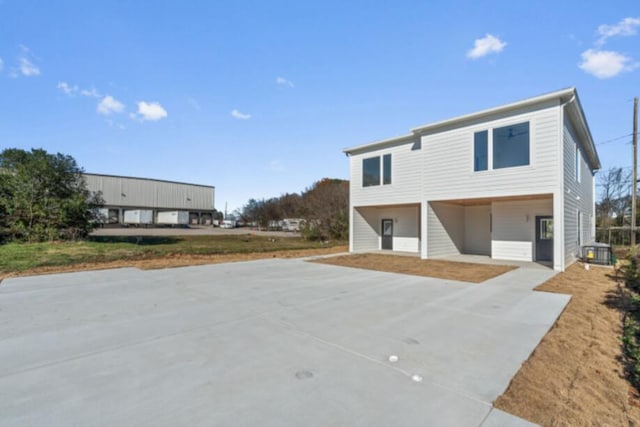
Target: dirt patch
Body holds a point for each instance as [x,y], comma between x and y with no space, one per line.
[178,260]
[464,271]
[575,376]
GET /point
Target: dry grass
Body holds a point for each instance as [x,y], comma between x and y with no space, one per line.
[467,272]
[576,376]
[176,260]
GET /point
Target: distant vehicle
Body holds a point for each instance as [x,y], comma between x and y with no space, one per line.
[292,224]
[228,223]
[173,218]
[138,217]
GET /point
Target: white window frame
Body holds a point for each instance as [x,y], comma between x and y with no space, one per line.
[577,162]
[579,221]
[490,145]
[380,158]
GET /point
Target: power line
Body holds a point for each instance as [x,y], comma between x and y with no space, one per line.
[608,141]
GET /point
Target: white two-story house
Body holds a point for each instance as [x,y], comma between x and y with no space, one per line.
[515,182]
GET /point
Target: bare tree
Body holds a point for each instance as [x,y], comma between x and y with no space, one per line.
[327,210]
[615,200]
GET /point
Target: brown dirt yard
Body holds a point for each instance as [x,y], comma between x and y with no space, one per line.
[467,272]
[574,377]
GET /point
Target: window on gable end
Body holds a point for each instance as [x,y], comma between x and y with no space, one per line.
[386,169]
[480,151]
[577,163]
[371,171]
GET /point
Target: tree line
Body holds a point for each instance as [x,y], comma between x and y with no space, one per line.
[324,206]
[44,197]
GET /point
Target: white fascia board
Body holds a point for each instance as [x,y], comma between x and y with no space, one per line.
[579,117]
[383,142]
[561,94]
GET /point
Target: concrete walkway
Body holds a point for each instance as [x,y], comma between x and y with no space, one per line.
[270,342]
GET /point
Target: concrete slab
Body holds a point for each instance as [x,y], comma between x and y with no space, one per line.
[270,342]
[498,418]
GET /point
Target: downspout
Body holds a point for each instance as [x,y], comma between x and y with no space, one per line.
[561,189]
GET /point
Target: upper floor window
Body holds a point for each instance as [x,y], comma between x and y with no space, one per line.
[503,147]
[481,151]
[577,166]
[511,146]
[371,169]
[386,169]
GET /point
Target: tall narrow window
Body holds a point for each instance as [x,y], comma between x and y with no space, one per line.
[480,151]
[371,171]
[577,163]
[511,146]
[579,230]
[386,169]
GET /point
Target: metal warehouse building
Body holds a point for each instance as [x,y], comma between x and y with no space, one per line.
[153,199]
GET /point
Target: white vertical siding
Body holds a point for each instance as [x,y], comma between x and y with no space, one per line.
[368,222]
[406,229]
[578,195]
[477,230]
[514,228]
[448,159]
[364,228]
[442,170]
[445,223]
[406,177]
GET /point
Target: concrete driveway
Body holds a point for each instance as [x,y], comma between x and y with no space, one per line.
[271,342]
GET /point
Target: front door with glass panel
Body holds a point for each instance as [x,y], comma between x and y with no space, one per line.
[544,238]
[387,234]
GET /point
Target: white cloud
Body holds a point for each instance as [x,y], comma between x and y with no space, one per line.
[626,27]
[27,68]
[151,111]
[281,81]
[109,105]
[605,63]
[25,65]
[240,116]
[485,46]
[73,90]
[67,88]
[90,93]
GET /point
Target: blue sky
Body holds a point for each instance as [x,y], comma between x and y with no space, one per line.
[260,97]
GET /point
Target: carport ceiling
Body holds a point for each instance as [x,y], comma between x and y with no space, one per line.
[489,200]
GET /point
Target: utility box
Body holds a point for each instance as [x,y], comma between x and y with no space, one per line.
[138,216]
[173,218]
[597,253]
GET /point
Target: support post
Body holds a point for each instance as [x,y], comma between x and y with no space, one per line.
[635,172]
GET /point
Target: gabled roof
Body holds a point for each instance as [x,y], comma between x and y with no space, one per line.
[567,97]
